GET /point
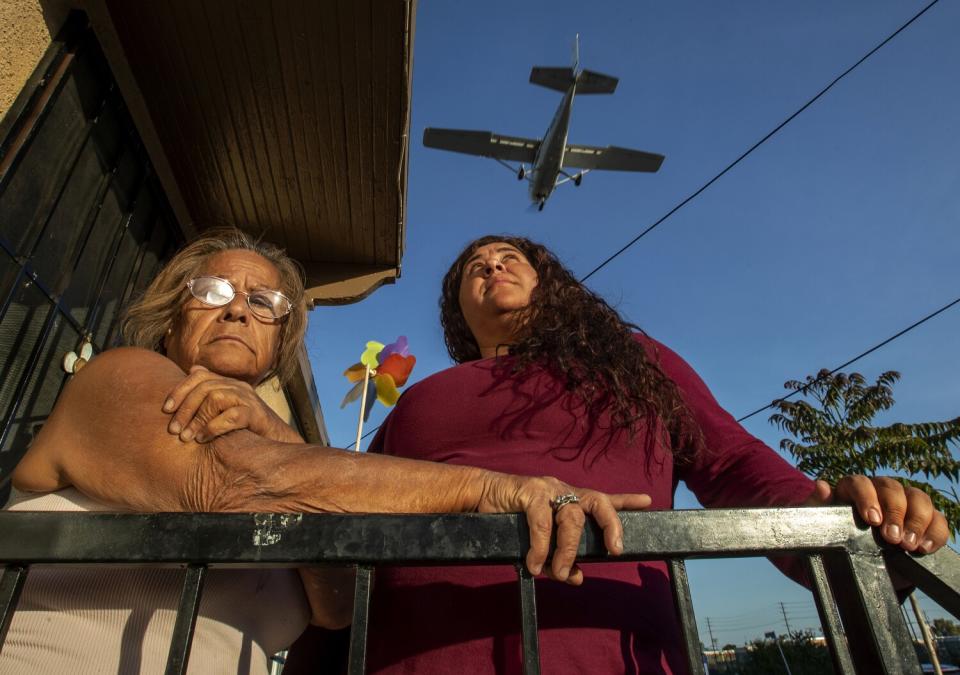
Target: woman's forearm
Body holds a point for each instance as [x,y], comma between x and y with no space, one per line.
[243,472]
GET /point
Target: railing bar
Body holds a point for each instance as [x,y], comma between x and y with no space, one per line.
[28,368]
[90,219]
[937,575]
[883,614]
[877,633]
[829,616]
[10,586]
[96,306]
[481,538]
[186,620]
[688,619]
[528,621]
[41,105]
[87,133]
[134,272]
[14,288]
[357,661]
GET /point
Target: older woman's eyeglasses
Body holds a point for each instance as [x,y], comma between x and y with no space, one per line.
[217,292]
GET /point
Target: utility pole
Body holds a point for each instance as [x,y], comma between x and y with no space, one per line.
[713,640]
[785,620]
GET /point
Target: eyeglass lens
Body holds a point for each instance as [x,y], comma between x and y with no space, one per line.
[218,292]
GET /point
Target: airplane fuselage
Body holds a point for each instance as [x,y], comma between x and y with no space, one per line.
[549,158]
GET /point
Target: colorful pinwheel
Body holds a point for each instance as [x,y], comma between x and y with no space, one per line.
[389,366]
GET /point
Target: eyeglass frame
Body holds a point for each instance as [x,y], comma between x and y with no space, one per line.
[246,294]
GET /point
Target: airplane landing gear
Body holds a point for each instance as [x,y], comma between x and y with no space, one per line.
[521,173]
[540,205]
[578,179]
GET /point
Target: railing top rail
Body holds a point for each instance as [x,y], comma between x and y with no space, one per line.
[832,537]
[267,539]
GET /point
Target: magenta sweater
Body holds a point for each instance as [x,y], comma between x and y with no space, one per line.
[465,620]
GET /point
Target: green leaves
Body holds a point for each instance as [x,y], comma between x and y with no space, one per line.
[833,436]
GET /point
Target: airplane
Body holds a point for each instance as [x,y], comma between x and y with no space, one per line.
[550,156]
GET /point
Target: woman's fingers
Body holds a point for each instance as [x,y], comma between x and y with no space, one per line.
[536,496]
[604,507]
[203,397]
[905,515]
[936,535]
[540,521]
[570,520]
[184,420]
[917,519]
[862,494]
[630,502]
[892,498]
[179,393]
[231,419]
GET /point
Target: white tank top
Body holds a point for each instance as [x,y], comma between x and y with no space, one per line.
[81,621]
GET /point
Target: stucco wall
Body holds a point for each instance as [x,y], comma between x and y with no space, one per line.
[25,29]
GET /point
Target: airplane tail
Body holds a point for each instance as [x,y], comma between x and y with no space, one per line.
[589,82]
[560,79]
[576,55]
[553,78]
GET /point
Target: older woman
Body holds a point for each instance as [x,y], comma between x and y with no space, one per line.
[551,379]
[132,431]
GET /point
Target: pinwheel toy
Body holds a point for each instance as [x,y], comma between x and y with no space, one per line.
[389,366]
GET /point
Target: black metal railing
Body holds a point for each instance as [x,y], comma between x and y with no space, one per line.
[846,566]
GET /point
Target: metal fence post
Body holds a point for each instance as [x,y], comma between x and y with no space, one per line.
[186,620]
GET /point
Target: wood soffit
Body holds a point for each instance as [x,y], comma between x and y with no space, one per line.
[287,119]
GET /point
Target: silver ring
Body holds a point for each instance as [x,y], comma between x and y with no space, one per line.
[560,501]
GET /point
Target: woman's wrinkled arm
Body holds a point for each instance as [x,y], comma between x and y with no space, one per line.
[108,437]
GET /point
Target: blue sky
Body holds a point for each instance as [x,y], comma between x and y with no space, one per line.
[835,234]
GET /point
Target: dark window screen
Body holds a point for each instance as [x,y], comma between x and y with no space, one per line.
[84,227]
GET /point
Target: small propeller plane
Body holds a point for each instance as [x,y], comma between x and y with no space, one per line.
[549,157]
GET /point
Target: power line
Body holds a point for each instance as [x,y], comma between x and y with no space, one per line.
[362,437]
[855,358]
[756,145]
[797,391]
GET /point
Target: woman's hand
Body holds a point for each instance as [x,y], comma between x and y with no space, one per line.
[510,494]
[904,514]
[206,405]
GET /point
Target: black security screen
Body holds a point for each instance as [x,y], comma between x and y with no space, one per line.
[84,226]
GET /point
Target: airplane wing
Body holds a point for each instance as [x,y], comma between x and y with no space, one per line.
[482,143]
[610,158]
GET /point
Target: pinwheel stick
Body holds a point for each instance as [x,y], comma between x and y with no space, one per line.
[363,406]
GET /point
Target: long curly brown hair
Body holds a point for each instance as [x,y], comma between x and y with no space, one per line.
[574,332]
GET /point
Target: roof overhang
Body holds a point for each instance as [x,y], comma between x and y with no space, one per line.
[288,120]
